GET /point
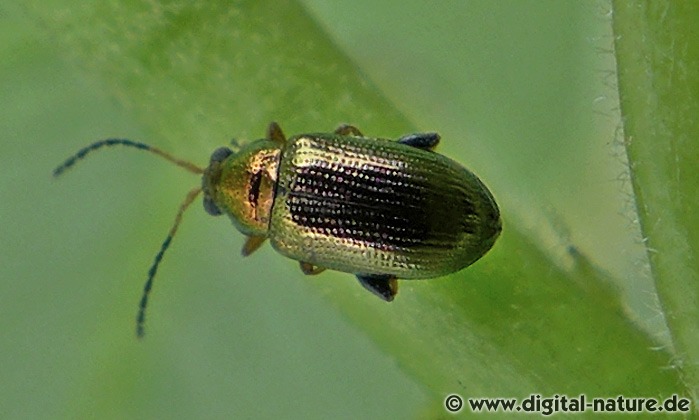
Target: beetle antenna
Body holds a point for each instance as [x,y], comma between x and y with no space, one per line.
[124,142]
[141,318]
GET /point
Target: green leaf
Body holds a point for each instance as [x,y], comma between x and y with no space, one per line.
[552,309]
[658,58]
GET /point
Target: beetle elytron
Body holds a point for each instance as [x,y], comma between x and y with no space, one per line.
[377,208]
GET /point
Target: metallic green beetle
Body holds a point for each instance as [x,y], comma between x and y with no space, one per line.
[377,208]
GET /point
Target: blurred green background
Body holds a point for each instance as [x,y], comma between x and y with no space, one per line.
[522,93]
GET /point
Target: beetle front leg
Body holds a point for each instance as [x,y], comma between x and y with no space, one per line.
[348,130]
[252,243]
[235,144]
[384,286]
[310,269]
[426,141]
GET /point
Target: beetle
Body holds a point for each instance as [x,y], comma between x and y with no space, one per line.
[378,208]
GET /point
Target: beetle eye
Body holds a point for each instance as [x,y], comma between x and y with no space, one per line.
[220,154]
[211,207]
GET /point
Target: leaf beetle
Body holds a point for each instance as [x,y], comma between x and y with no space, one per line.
[378,208]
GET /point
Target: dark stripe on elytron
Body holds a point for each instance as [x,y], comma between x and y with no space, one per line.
[355,222]
[367,185]
[371,187]
[373,207]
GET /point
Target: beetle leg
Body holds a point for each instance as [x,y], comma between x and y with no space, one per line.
[348,130]
[235,144]
[252,243]
[310,269]
[427,141]
[275,133]
[384,286]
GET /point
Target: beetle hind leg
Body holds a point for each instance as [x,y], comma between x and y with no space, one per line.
[310,269]
[426,141]
[384,286]
[348,130]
